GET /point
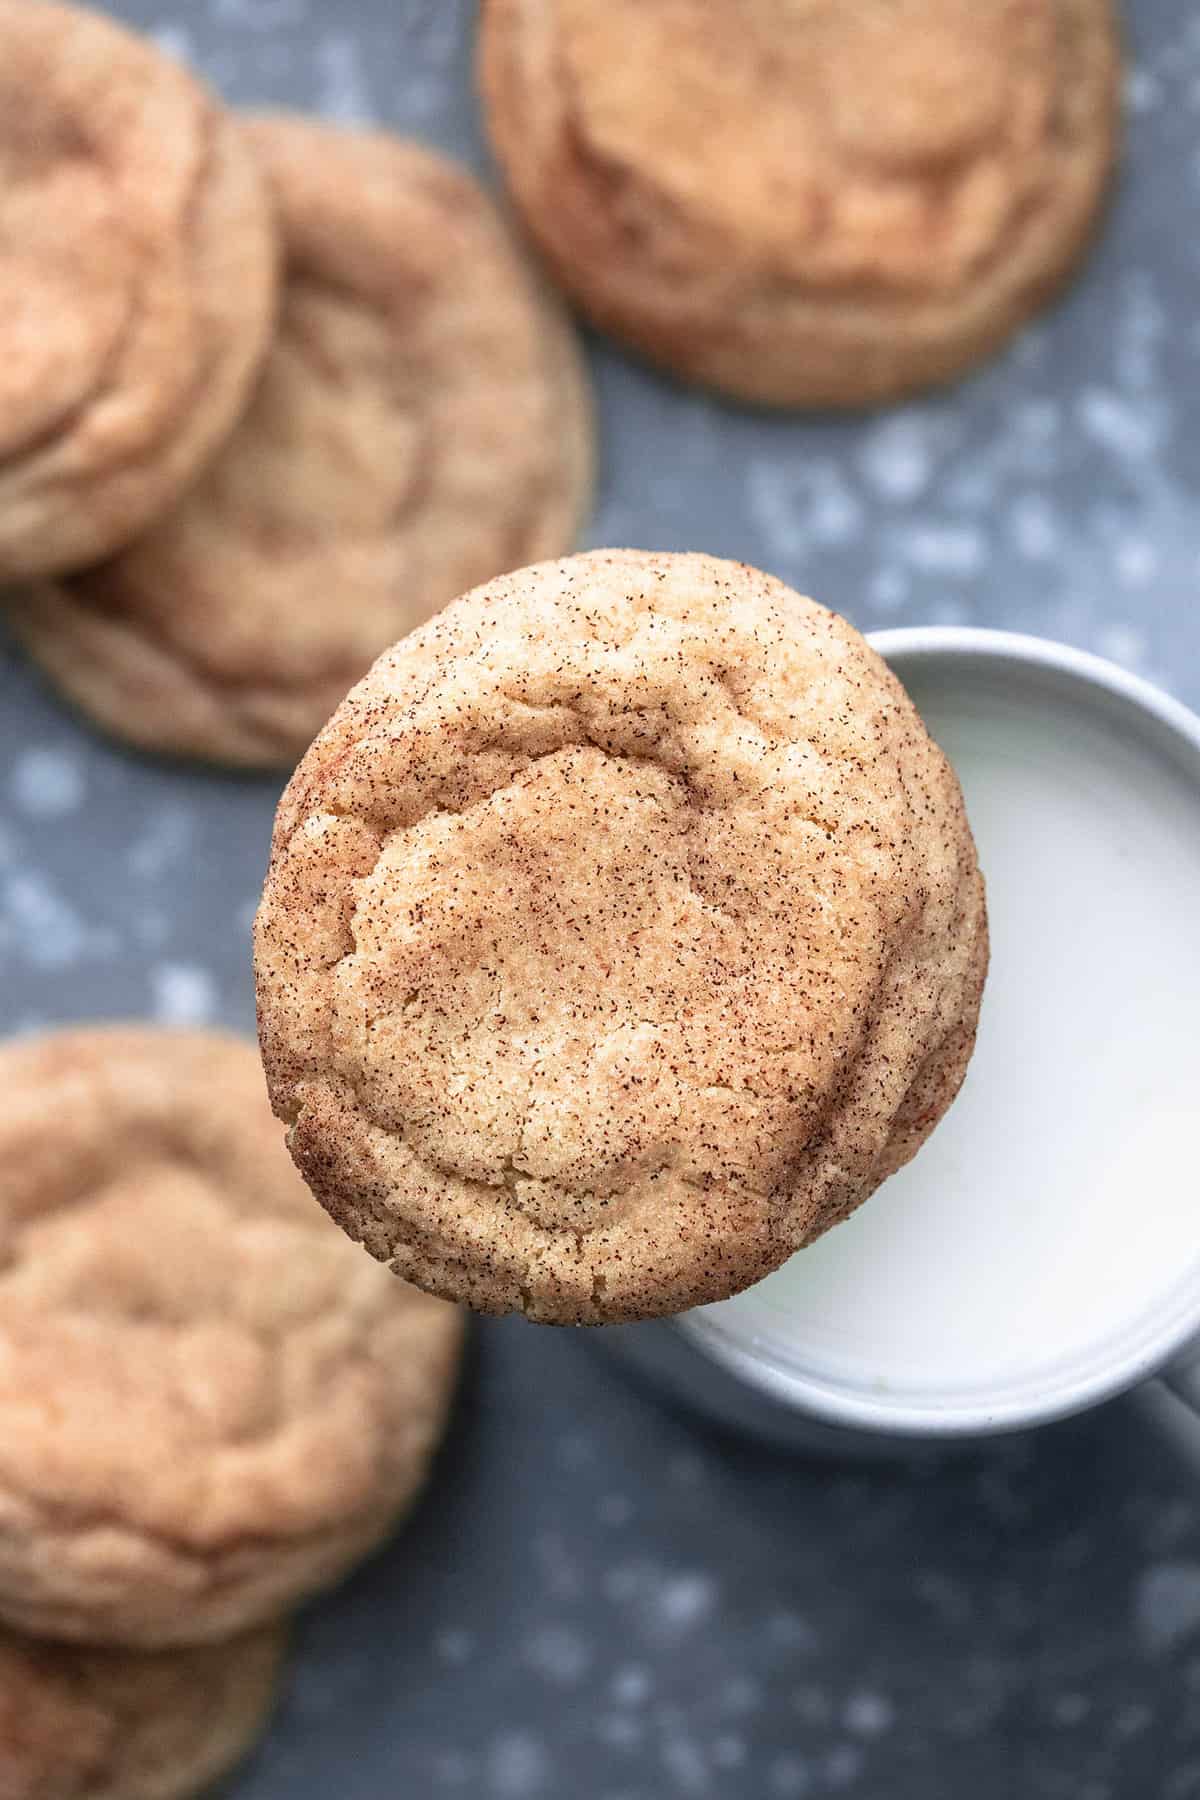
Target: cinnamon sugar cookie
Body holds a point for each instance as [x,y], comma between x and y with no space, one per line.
[84,1724]
[137,283]
[806,202]
[623,930]
[422,424]
[210,1402]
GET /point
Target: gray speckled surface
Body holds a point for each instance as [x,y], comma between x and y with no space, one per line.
[598,1600]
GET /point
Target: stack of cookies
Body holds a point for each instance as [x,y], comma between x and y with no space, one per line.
[272,393]
[212,1405]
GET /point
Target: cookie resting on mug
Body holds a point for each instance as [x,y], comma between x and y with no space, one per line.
[623,930]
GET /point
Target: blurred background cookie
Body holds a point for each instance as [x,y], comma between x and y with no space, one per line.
[422,424]
[137,283]
[623,931]
[816,204]
[86,1724]
[211,1402]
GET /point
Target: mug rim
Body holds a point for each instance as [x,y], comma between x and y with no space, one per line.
[1117,1367]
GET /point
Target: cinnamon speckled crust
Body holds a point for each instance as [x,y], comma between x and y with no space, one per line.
[84,1724]
[623,930]
[137,284]
[805,202]
[423,423]
[210,1402]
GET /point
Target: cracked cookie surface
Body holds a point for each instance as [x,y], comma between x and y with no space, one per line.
[422,424]
[84,1724]
[804,202]
[137,283]
[623,930]
[210,1402]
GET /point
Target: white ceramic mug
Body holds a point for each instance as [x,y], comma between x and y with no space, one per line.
[1042,1252]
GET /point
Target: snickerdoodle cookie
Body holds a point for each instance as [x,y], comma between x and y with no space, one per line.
[211,1402]
[85,1724]
[137,283]
[422,425]
[806,202]
[623,930]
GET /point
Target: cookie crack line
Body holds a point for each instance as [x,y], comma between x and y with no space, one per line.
[384,828]
[69,1520]
[357,1079]
[116,463]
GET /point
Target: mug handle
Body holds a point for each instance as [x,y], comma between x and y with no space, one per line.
[1173,1401]
[1184,1382]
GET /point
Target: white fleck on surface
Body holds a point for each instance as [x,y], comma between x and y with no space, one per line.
[944,549]
[948,611]
[1120,425]
[576,1450]
[667,1605]
[183,994]
[842,1766]
[1069,1710]
[789,1778]
[632,1686]
[42,928]
[174,40]
[345,92]
[558,1569]
[729,1751]
[788,1631]
[1142,92]
[621,1731]
[1132,1719]
[559,1654]
[47,782]
[518,1764]
[161,844]
[1173,1524]
[684,1601]
[802,506]
[1123,644]
[259,15]
[1136,562]
[868,1714]
[740,1695]
[897,458]
[453,1768]
[1035,527]
[948,1599]
[686,1764]
[454,1646]
[1166,1607]
[1141,329]
[888,589]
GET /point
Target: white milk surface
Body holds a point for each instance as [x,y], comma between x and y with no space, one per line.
[1057,1206]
